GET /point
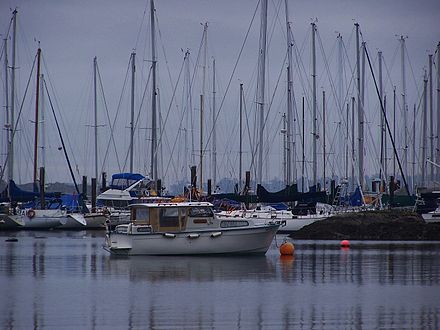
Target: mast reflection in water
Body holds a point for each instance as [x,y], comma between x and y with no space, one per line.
[66,279]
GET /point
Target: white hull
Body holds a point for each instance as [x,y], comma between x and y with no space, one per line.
[251,240]
[84,221]
[42,219]
[290,222]
[431,216]
[8,222]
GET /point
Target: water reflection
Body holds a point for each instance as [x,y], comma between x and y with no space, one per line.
[56,279]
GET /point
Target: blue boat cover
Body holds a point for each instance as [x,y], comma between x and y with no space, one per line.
[123,180]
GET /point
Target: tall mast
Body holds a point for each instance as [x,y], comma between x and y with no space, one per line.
[315,119]
[353,181]
[153,165]
[284,132]
[405,109]
[43,123]
[438,111]
[359,108]
[202,101]
[240,153]
[431,122]
[425,113]
[347,141]
[260,87]
[8,123]
[290,137]
[201,141]
[12,113]
[394,129]
[303,147]
[95,65]
[382,122]
[37,117]
[214,133]
[133,70]
[323,137]
[413,186]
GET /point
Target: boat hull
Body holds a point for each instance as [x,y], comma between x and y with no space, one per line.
[253,240]
[431,217]
[8,222]
[41,219]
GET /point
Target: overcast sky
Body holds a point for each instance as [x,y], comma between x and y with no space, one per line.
[73,32]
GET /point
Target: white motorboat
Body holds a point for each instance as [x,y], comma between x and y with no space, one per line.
[433,216]
[290,222]
[187,228]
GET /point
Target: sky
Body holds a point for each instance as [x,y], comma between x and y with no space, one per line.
[72,33]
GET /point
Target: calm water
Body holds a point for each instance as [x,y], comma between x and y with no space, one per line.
[66,280]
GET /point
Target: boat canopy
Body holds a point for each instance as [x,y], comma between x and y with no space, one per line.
[122,181]
[20,195]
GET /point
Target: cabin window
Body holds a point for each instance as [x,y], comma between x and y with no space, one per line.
[142,214]
[233,223]
[169,217]
[201,212]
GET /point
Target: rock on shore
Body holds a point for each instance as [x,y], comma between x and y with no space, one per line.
[371,225]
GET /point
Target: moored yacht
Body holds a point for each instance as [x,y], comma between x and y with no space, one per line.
[187,228]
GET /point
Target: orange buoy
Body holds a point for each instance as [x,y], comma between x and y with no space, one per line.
[287,249]
[345,243]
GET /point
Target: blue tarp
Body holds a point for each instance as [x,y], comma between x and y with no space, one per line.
[356,198]
[19,195]
[123,180]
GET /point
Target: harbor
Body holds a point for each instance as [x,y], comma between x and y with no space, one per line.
[219,165]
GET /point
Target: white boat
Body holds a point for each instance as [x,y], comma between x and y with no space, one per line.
[125,189]
[290,222]
[41,219]
[187,228]
[85,221]
[433,216]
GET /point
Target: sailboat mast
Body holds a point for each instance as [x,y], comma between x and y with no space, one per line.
[405,108]
[202,102]
[153,168]
[323,137]
[261,87]
[394,129]
[214,131]
[240,153]
[315,119]
[303,147]
[382,128]
[12,113]
[347,141]
[95,69]
[431,121]
[6,68]
[359,106]
[201,141]
[43,123]
[438,111]
[37,117]
[353,181]
[133,70]
[413,186]
[290,138]
[425,113]
[284,131]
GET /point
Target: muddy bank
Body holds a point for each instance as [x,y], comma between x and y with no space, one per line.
[371,225]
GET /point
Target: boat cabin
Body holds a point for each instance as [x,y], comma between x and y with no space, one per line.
[163,217]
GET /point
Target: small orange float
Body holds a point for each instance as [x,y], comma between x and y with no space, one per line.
[287,249]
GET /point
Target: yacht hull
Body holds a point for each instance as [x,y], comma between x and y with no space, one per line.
[251,240]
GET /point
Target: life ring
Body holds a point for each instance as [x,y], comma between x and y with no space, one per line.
[30,213]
